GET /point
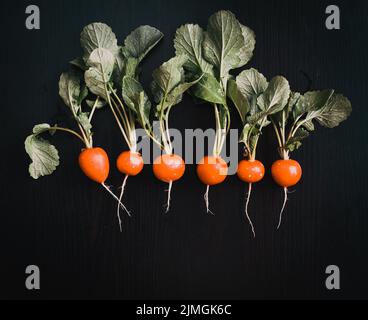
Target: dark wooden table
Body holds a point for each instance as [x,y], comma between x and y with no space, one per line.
[67,226]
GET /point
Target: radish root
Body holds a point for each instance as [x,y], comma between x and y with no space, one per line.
[246,210]
[120,198]
[207,201]
[168,197]
[283,206]
[116,198]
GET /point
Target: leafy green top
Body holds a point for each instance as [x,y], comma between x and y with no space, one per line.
[211,55]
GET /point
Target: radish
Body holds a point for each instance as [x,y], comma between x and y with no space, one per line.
[112,69]
[93,162]
[168,87]
[295,122]
[226,45]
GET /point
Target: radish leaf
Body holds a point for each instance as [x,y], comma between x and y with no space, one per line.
[188,41]
[141,41]
[137,100]
[224,45]
[246,52]
[97,36]
[70,91]
[209,89]
[44,156]
[273,100]
[101,65]
[239,100]
[251,83]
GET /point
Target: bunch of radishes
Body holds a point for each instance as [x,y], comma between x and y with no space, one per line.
[107,75]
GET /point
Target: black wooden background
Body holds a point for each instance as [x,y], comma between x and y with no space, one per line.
[67,226]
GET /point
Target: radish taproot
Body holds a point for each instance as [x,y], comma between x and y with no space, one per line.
[294,122]
[226,45]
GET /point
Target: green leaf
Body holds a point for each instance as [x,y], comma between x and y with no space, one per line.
[137,100]
[283,115]
[101,65]
[98,36]
[251,83]
[244,134]
[70,91]
[44,156]
[337,109]
[273,100]
[224,45]
[131,65]
[276,95]
[240,101]
[246,52]
[167,77]
[294,143]
[188,41]
[83,119]
[209,89]
[100,104]
[169,83]
[141,41]
[312,100]
[83,94]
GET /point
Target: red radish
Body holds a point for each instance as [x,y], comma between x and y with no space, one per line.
[169,168]
[250,171]
[131,164]
[286,173]
[168,86]
[211,171]
[94,162]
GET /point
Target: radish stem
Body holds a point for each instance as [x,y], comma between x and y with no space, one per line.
[246,210]
[116,198]
[206,200]
[168,197]
[283,207]
[121,197]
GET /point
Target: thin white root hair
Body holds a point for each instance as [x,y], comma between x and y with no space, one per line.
[207,201]
[116,198]
[283,206]
[168,197]
[246,210]
[120,198]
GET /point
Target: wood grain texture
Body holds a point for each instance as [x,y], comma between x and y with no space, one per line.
[67,226]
